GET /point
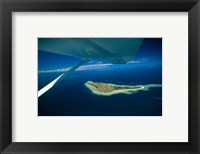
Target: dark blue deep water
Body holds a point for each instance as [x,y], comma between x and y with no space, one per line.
[71,98]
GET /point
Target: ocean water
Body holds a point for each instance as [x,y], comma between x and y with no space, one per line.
[71,97]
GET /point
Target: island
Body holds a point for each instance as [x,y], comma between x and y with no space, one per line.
[108,89]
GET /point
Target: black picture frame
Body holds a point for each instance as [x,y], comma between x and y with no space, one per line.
[9,6]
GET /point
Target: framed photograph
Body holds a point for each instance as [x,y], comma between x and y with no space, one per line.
[99,76]
[93,65]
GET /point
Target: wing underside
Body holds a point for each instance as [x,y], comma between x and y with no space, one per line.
[112,50]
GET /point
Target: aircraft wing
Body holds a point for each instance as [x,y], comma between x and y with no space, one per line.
[111,50]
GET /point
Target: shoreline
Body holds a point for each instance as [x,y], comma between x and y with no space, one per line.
[127,88]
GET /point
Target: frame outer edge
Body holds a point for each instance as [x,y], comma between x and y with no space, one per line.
[196,45]
[3,145]
[194,81]
[5,78]
[115,1]
[1,77]
[198,66]
[1,72]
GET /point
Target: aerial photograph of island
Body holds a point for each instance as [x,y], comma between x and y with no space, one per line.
[99,76]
